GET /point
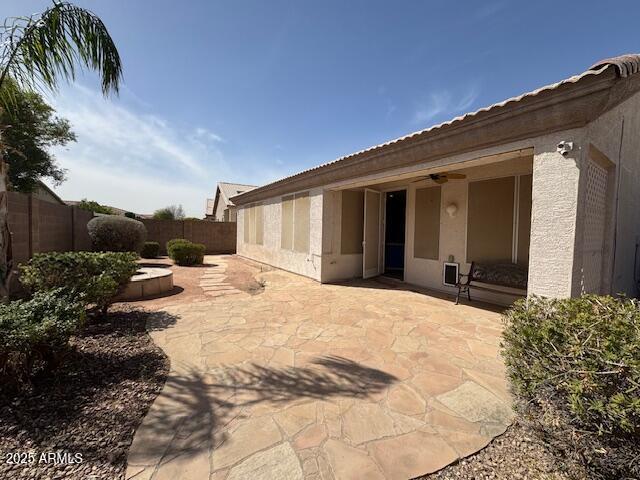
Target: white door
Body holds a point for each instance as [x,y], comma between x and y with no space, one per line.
[371,236]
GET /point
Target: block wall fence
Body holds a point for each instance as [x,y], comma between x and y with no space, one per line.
[39,226]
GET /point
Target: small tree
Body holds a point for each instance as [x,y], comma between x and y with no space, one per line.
[172,212]
[93,206]
[31,129]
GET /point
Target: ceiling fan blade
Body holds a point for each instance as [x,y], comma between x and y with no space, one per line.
[455,175]
[419,179]
[440,179]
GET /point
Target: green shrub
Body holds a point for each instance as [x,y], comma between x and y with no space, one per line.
[37,331]
[574,366]
[112,233]
[97,277]
[187,253]
[173,242]
[150,250]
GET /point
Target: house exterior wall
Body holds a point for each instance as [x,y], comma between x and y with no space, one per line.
[336,266]
[553,218]
[616,134]
[561,250]
[271,253]
[231,214]
[219,211]
[453,230]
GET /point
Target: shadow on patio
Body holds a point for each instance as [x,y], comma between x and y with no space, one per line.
[384,283]
[195,408]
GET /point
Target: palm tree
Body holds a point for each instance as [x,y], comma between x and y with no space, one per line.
[39,51]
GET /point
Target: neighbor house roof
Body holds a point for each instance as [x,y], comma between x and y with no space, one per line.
[584,97]
[44,192]
[225,191]
[228,190]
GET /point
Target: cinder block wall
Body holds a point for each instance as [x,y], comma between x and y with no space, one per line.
[217,237]
[40,226]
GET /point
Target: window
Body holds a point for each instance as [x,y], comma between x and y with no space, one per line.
[253,224]
[352,223]
[295,222]
[426,238]
[499,220]
[286,237]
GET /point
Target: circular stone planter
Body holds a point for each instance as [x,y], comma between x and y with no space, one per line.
[147,282]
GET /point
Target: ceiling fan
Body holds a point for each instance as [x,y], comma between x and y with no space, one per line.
[441,178]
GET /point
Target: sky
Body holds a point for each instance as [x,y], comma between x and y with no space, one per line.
[249,91]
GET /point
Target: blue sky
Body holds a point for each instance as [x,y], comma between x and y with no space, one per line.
[250,90]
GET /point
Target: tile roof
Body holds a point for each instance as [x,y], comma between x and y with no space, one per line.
[228,190]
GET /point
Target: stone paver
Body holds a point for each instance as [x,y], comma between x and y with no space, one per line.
[309,381]
[213,280]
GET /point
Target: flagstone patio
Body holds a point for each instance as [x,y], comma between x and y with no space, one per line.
[309,381]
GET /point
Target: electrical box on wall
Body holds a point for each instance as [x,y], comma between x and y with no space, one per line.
[450,274]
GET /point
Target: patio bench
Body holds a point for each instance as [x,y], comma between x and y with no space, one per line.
[491,277]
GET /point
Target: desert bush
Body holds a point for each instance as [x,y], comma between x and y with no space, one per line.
[187,253]
[112,233]
[35,333]
[169,245]
[95,276]
[150,250]
[574,367]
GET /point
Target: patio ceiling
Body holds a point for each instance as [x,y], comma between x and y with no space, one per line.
[401,176]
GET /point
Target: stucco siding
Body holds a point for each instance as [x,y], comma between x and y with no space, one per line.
[553,217]
[453,230]
[271,253]
[617,135]
[336,265]
[219,212]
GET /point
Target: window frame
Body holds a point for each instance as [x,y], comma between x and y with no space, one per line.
[249,211]
[294,196]
[415,223]
[515,210]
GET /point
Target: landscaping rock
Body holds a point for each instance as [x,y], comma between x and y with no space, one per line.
[91,406]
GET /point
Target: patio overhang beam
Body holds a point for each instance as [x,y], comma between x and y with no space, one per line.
[447,164]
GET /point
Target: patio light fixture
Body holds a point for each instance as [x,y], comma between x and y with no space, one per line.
[452,209]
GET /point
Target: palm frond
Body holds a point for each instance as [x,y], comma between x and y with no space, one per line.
[40,51]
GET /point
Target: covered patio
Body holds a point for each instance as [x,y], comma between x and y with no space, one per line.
[304,380]
[427,226]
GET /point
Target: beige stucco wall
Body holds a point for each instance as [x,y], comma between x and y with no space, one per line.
[219,212]
[419,271]
[307,263]
[335,265]
[552,243]
[232,214]
[453,230]
[617,135]
[553,217]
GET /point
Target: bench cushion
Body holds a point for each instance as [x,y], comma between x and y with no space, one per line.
[503,274]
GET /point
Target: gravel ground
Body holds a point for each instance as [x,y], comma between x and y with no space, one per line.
[516,455]
[90,408]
